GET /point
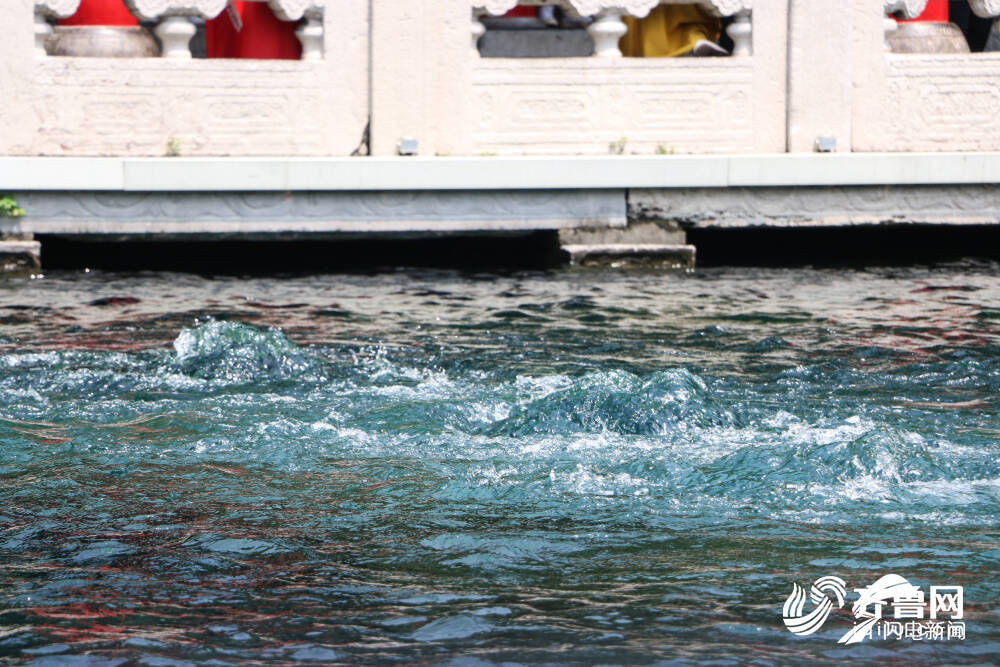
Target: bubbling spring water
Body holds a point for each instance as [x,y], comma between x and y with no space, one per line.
[435,467]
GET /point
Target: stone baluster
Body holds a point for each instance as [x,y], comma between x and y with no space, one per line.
[312,32]
[46,10]
[175,30]
[606,29]
[175,33]
[741,32]
[173,21]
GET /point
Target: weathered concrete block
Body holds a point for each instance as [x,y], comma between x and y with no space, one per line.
[641,233]
[20,259]
[653,256]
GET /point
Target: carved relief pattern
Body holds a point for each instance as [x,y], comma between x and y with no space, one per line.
[58,9]
[686,107]
[130,107]
[638,8]
[985,8]
[779,207]
[938,103]
[318,208]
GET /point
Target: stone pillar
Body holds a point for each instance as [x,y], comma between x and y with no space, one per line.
[869,64]
[820,75]
[769,46]
[421,76]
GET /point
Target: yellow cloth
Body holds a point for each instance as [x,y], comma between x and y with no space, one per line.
[668,31]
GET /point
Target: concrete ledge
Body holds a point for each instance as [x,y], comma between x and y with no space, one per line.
[640,254]
[20,259]
[845,206]
[495,173]
[70,173]
[223,213]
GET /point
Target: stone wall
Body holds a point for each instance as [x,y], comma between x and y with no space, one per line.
[410,67]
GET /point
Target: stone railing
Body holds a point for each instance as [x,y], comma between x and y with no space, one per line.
[173,25]
[404,69]
[608,27]
[610,104]
[179,105]
[911,9]
[916,101]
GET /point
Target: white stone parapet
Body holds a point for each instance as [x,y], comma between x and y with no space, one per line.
[403,68]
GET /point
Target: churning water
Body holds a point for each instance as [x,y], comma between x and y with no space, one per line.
[470,469]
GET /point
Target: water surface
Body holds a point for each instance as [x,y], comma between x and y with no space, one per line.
[433,467]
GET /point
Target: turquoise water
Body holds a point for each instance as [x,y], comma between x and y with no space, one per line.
[423,467]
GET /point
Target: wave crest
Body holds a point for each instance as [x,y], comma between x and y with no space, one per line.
[619,402]
[235,352]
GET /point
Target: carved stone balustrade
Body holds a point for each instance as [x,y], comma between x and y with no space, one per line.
[911,9]
[173,26]
[46,10]
[608,27]
[175,30]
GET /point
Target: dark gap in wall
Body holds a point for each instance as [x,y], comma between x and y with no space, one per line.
[845,246]
[260,257]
